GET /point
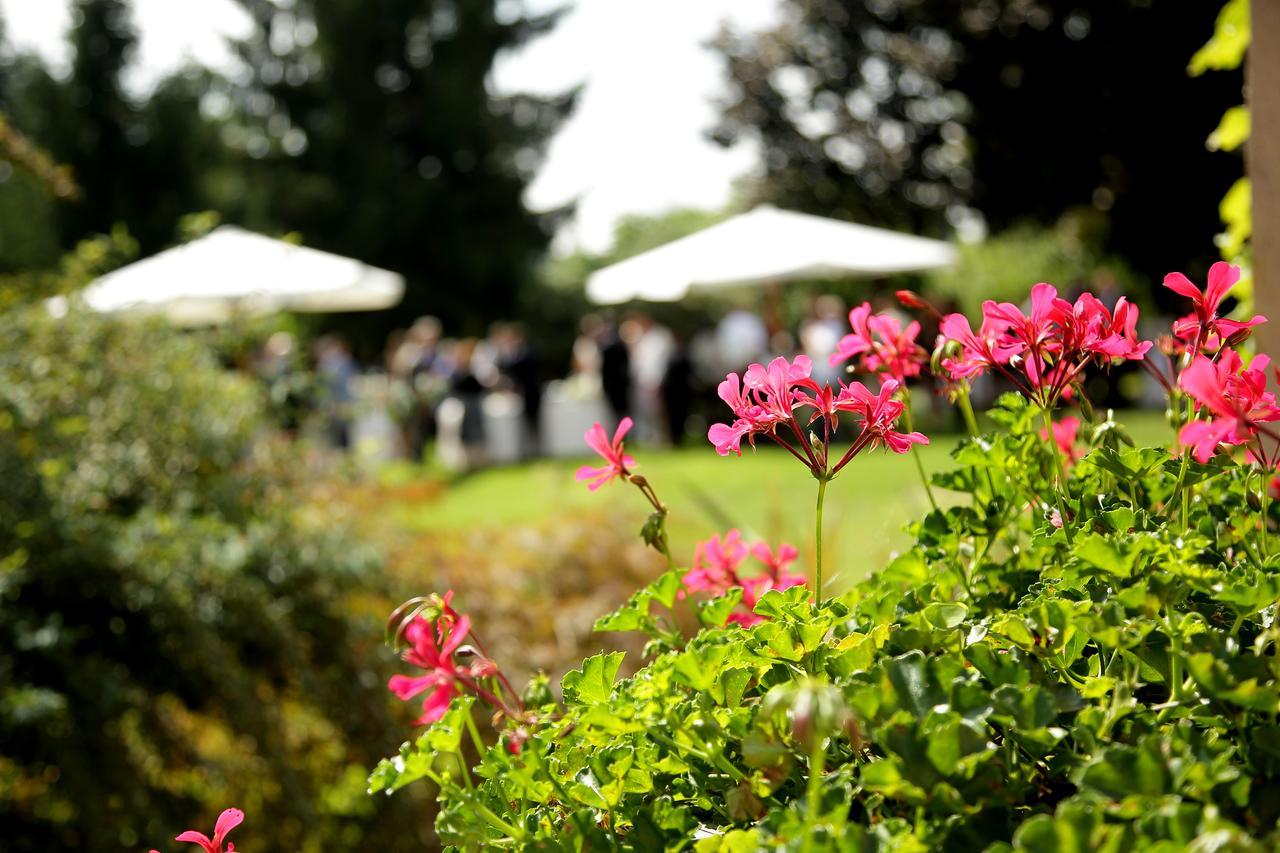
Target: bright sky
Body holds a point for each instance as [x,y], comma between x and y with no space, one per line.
[635,144]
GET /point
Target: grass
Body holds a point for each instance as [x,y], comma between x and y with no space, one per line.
[766,493]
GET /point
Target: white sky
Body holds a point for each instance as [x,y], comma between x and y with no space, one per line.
[635,144]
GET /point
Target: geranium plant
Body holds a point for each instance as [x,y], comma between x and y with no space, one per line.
[1078,652]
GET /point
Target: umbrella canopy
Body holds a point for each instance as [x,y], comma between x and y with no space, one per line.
[230,272]
[765,245]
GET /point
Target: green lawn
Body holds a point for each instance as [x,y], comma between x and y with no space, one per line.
[766,493]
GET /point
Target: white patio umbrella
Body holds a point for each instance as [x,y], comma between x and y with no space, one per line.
[231,272]
[763,246]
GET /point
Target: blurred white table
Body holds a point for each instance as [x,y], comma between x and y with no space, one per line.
[569,408]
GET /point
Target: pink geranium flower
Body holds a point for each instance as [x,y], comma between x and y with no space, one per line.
[1235,397]
[617,463]
[765,397]
[880,413]
[717,567]
[768,402]
[227,821]
[1065,432]
[775,386]
[715,564]
[1203,324]
[431,648]
[776,563]
[979,352]
[881,344]
[1044,352]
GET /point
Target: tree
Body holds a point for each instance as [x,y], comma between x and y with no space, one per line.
[905,112]
[371,130]
[141,160]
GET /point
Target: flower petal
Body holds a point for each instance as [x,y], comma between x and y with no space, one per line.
[1181,285]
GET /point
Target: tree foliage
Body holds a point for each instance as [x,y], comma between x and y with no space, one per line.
[906,112]
[370,129]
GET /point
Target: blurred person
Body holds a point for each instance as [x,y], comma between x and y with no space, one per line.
[466,387]
[677,390]
[418,364]
[615,370]
[519,364]
[586,348]
[820,335]
[335,368]
[741,338]
[651,345]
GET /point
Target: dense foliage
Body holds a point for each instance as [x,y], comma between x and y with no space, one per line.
[1077,653]
[174,612]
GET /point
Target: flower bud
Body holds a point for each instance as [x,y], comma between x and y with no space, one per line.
[1086,409]
[911,299]
[538,691]
[813,710]
[515,739]
[1237,338]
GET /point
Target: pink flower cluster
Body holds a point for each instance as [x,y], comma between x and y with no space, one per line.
[1203,330]
[227,821]
[716,565]
[1232,394]
[767,399]
[881,345]
[1045,352]
[1236,398]
[432,644]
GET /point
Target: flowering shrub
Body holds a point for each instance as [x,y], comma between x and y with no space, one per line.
[1068,658]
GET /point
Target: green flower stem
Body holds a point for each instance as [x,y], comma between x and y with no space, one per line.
[1060,465]
[915,454]
[813,792]
[1179,491]
[1266,514]
[1175,660]
[966,410]
[817,577]
[445,783]
[476,740]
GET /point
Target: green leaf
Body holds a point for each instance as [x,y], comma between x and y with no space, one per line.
[1122,770]
[945,615]
[1071,830]
[733,841]
[635,614]
[914,681]
[1232,131]
[1029,707]
[1226,48]
[1105,554]
[594,682]
[715,612]
[416,760]
[1222,680]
